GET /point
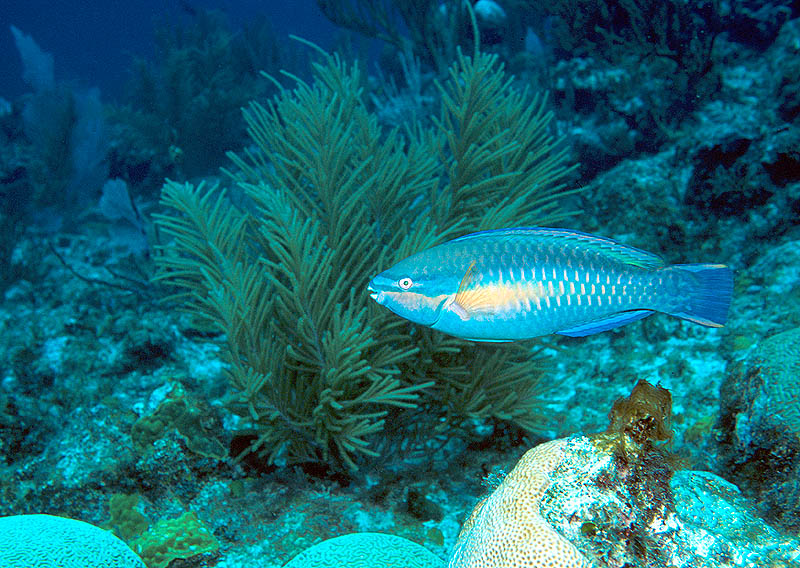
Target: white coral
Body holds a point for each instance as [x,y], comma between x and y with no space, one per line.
[46,541]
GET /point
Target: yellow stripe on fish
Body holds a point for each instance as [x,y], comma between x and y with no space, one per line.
[511,284]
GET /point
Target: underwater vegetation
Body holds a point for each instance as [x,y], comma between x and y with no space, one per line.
[61,143]
[328,198]
[430,30]
[53,145]
[681,34]
[185,103]
[666,48]
[663,50]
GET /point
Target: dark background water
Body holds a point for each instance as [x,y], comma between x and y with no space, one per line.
[93,43]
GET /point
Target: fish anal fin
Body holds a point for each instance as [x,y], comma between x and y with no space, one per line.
[615,320]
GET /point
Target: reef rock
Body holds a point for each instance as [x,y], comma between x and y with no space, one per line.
[617,499]
[760,428]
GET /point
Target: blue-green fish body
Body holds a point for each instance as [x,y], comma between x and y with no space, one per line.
[511,284]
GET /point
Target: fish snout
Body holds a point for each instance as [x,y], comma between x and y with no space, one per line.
[373,293]
[378,288]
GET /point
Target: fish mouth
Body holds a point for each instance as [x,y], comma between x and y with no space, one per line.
[378,288]
[373,293]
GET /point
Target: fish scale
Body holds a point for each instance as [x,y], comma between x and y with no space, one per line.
[518,283]
[535,295]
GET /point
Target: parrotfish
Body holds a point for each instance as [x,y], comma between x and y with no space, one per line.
[512,284]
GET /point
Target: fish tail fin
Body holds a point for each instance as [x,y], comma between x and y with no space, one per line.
[710,298]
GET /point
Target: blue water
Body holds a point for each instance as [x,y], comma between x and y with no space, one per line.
[94,42]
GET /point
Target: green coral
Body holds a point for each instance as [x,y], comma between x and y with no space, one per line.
[180,538]
[126,520]
[164,541]
[177,412]
[330,199]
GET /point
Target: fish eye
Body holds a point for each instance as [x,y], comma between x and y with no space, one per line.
[405,283]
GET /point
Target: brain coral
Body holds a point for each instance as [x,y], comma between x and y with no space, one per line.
[506,529]
[759,428]
[366,550]
[779,359]
[46,541]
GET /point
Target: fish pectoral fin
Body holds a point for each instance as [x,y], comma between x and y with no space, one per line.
[606,323]
[459,310]
[469,301]
[469,275]
[472,302]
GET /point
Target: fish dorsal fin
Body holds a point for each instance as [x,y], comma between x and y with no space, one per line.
[469,301]
[603,245]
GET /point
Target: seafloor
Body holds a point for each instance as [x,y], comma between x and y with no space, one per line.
[82,361]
